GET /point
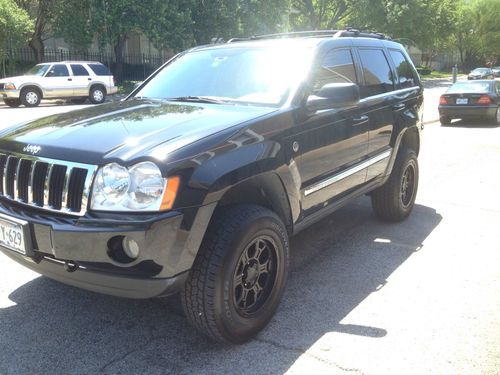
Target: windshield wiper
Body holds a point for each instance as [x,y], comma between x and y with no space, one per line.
[197,99]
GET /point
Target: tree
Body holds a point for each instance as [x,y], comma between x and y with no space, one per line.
[41,14]
[488,28]
[15,27]
[263,16]
[167,24]
[320,14]
[214,19]
[72,20]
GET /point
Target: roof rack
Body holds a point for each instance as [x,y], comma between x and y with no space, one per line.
[348,32]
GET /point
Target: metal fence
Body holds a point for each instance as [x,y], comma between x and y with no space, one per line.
[135,67]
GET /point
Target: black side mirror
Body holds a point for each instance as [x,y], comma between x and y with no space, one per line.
[334,95]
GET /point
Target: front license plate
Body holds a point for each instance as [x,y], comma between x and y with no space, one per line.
[462,101]
[12,235]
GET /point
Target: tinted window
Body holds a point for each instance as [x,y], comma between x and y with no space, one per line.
[58,70]
[337,67]
[79,70]
[100,70]
[404,69]
[377,73]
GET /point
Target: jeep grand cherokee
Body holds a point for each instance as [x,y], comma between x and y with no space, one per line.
[195,182]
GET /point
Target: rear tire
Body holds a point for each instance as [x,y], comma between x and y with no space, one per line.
[97,95]
[496,120]
[445,120]
[394,200]
[31,97]
[14,103]
[239,275]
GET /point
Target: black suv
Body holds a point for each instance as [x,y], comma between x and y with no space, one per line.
[194,183]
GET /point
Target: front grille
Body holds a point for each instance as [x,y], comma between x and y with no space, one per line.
[53,185]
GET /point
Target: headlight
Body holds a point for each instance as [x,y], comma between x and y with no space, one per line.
[9,86]
[140,187]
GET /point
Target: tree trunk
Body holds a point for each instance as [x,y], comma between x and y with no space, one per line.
[119,47]
[36,44]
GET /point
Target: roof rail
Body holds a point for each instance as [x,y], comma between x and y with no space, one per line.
[348,32]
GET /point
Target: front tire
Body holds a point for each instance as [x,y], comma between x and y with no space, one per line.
[31,97]
[445,120]
[13,103]
[239,275]
[394,200]
[97,95]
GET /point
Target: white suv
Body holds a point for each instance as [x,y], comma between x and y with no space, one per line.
[78,80]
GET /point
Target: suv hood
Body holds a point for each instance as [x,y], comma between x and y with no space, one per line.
[124,130]
[19,79]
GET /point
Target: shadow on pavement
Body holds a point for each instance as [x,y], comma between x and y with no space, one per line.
[476,124]
[336,264]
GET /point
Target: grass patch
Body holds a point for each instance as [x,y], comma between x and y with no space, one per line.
[438,74]
[126,87]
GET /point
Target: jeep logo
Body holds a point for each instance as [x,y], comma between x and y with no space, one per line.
[32,149]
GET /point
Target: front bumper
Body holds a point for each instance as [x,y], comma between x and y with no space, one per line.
[75,251]
[10,94]
[457,111]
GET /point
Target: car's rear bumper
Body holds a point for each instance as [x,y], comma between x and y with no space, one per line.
[467,111]
[77,251]
[9,94]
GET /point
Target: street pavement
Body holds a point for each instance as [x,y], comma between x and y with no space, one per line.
[363,297]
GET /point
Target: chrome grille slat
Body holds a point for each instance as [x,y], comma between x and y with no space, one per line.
[49,184]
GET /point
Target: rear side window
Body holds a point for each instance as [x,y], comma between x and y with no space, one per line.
[376,71]
[79,70]
[337,67]
[58,70]
[100,70]
[405,72]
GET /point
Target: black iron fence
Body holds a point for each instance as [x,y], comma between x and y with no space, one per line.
[135,67]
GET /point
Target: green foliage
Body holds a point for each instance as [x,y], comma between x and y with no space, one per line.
[320,14]
[15,25]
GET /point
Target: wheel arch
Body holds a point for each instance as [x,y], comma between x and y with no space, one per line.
[33,85]
[265,190]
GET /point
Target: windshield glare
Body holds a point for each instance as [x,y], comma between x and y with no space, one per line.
[262,76]
[469,87]
[480,70]
[37,70]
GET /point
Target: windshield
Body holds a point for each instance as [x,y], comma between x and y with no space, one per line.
[37,70]
[258,75]
[469,87]
[480,70]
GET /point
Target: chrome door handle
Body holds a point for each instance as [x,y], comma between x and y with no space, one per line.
[359,120]
[398,106]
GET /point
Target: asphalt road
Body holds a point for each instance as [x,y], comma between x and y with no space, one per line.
[417,297]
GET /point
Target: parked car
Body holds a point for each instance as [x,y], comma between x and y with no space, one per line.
[77,80]
[496,71]
[471,100]
[195,182]
[481,73]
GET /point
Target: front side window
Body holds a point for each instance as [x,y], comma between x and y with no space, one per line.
[405,72]
[58,70]
[79,70]
[240,75]
[376,72]
[337,67]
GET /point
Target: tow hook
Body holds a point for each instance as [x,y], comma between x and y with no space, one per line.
[70,266]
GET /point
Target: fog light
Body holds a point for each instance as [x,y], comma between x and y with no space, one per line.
[123,249]
[130,247]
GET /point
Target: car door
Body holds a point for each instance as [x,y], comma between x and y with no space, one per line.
[57,82]
[379,103]
[81,79]
[332,143]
